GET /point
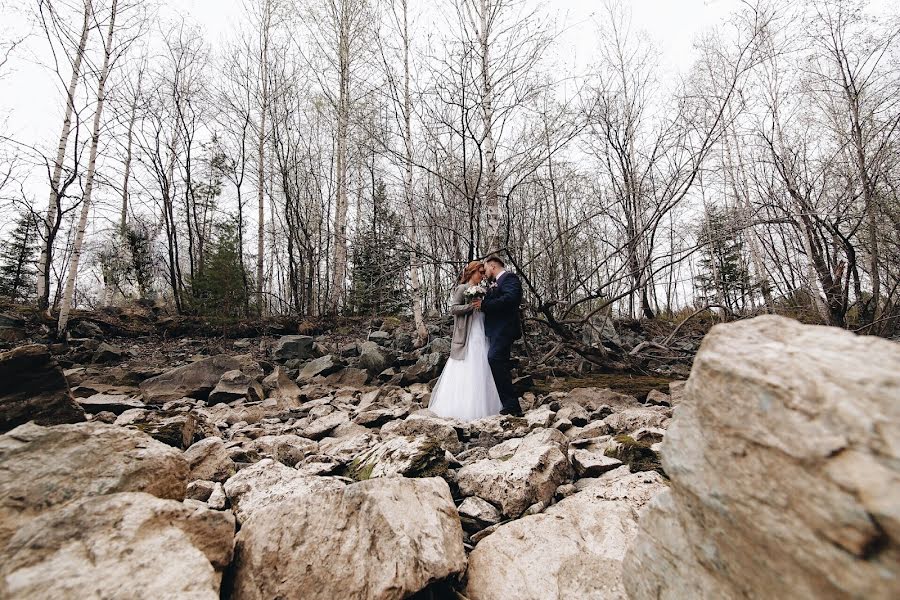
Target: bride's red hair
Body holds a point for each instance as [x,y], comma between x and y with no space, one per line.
[471,269]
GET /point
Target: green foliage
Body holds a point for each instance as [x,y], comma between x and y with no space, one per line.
[380,262]
[218,289]
[139,239]
[128,260]
[724,274]
[18,259]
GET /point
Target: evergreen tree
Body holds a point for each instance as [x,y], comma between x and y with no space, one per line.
[379,261]
[724,274]
[218,289]
[18,256]
[139,238]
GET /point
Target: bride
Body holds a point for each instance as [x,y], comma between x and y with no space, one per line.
[466,389]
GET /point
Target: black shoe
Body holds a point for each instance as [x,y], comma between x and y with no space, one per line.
[512,412]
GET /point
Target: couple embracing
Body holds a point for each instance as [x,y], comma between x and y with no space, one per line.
[477,381]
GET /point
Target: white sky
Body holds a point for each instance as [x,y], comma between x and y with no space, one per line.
[31,101]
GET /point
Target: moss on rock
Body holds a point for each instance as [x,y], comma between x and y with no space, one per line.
[639,456]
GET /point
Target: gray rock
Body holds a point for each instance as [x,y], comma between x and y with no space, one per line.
[323,366]
[296,347]
[234,385]
[531,474]
[583,541]
[41,467]
[217,499]
[427,368]
[108,353]
[200,490]
[210,460]
[85,329]
[34,389]
[480,511]
[114,403]
[382,338]
[125,545]
[323,426]
[403,455]
[383,539]
[432,427]
[593,398]
[373,358]
[785,467]
[287,449]
[269,482]
[591,463]
[355,378]
[657,397]
[12,328]
[196,380]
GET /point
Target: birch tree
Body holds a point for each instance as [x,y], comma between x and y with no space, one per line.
[338,31]
[108,51]
[52,30]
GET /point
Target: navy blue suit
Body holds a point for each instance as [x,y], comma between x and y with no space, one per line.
[503,327]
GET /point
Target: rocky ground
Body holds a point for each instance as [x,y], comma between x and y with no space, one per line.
[308,466]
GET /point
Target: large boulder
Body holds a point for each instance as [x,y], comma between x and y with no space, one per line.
[785,468]
[325,425]
[194,380]
[127,545]
[320,367]
[12,328]
[210,460]
[425,369]
[114,403]
[373,358]
[34,389]
[433,427]
[593,398]
[269,482]
[177,429]
[408,456]
[41,467]
[582,543]
[529,474]
[234,385]
[383,539]
[288,449]
[294,347]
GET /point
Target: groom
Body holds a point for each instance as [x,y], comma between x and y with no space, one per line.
[502,327]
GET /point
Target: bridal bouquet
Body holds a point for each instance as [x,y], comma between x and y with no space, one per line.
[475,291]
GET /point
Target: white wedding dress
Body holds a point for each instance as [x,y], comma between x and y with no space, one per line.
[466,389]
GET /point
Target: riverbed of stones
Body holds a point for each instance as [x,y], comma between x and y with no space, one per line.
[322,470]
[286,469]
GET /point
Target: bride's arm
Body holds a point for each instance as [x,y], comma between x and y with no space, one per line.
[458,305]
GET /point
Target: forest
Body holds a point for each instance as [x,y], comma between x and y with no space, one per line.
[350,156]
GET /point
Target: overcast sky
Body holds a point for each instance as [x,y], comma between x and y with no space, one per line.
[31,102]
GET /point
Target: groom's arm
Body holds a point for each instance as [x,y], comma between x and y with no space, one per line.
[508,298]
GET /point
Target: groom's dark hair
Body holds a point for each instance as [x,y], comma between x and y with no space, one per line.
[496,259]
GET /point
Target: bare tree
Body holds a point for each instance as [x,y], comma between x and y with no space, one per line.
[56,35]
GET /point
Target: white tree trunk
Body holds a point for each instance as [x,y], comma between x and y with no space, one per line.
[43,282]
[492,193]
[265,31]
[123,219]
[343,117]
[415,282]
[66,305]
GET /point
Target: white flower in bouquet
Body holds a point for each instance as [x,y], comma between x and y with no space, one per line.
[475,291]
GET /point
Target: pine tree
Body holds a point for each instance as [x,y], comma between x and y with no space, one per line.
[219,290]
[379,262]
[18,271]
[724,274]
